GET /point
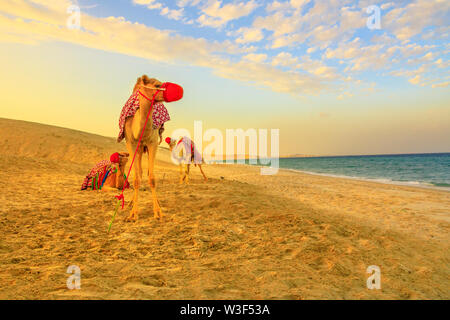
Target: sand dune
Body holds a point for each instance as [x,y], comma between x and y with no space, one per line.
[246,236]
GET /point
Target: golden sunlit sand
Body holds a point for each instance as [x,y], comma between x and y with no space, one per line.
[246,236]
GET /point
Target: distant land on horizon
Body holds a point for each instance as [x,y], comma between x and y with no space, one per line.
[360,155]
[298,156]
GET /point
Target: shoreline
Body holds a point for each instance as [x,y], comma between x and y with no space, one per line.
[383,181]
[413,184]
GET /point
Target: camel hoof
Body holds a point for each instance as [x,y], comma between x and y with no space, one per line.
[157,213]
[132,217]
[159,217]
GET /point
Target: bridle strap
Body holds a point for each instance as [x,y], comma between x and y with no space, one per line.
[143,95]
[154,88]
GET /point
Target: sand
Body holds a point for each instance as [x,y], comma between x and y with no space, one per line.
[239,236]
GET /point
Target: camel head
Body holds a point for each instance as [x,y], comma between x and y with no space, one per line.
[171,142]
[148,87]
[123,159]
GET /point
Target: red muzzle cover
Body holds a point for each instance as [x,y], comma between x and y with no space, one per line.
[173,92]
[115,158]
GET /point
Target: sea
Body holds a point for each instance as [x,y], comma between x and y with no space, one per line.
[426,170]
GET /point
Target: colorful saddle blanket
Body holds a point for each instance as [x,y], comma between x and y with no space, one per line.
[94,180]
[159,115]
[98,175]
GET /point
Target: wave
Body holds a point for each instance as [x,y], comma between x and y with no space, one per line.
[422,184]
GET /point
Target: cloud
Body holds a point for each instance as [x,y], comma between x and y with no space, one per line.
[441,85]
[360,57]
[285,59]
[323,23]
[317,68]
[143,2]
[256,57]
[174,14]
[186,3]
[24,22]
[344,95]
[312,43]
[407,22]
[267,76]
[249,35]
[217,15]
[386,6]
[415,80]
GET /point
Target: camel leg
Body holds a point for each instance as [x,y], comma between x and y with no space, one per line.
[157,212]
[181,173]
[201,170]
[188,166]
[137,182]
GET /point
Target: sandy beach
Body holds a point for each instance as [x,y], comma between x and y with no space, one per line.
[238,236]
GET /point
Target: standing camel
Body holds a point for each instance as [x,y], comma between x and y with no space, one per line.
[132,123]
[186,154]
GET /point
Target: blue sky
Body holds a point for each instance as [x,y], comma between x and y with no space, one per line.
[313,69]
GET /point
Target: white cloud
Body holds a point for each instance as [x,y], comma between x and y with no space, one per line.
[23,22]
[298,4]
[256,57]
[294,25]
[185,3]
[415,80]
[317,68]
[441,85]
[143,2]
[216,15]
[406,22]
[386,6]
[248,35]
[174,14]
[278,6]
[344,95]
[285,59]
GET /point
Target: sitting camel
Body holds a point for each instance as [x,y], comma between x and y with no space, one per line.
[107,174]
[131,123]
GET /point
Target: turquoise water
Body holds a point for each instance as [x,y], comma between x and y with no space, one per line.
[412,169]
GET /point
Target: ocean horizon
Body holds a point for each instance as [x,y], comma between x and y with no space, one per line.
[420,169]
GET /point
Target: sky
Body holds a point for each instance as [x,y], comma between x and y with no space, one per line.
[322,72]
